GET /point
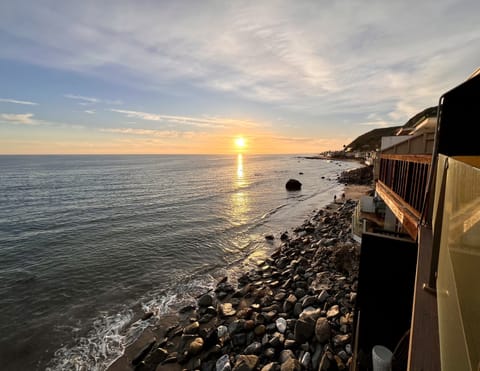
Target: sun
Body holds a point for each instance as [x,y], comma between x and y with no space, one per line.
[240,142]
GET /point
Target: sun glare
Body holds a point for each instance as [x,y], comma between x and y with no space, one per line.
[240,142]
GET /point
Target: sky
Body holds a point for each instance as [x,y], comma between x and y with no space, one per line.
[167,77]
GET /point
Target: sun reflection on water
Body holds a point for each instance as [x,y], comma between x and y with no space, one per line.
[240,204]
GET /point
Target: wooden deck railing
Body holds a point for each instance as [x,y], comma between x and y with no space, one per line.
[402,184]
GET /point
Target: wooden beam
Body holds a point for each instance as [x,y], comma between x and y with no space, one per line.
[423,159]
[408,216]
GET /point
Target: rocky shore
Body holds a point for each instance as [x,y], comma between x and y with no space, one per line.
[294,311]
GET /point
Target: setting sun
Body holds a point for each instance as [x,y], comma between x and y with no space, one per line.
[240,142]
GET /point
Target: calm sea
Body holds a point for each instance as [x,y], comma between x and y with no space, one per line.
[88,243]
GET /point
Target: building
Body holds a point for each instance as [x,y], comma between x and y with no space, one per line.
[419,277]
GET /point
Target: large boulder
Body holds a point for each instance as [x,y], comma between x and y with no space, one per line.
[293,185]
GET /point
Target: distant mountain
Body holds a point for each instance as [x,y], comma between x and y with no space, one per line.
[371,141]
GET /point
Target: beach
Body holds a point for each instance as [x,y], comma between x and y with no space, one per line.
[293,311]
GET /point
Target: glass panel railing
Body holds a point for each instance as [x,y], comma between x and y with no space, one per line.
[458,282]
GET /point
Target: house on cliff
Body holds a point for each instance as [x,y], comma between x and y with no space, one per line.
[419,278]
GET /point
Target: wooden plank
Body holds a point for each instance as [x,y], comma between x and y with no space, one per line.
[424,348]
[408,216]
[423,159]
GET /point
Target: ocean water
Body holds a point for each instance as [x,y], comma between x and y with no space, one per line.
[89,243]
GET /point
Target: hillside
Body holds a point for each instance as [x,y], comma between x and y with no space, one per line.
[372,140]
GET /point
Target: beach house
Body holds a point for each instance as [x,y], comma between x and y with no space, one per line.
[419,276]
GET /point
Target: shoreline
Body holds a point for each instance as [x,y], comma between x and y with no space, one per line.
[294,308]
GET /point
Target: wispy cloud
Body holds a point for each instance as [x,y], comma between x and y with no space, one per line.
[91,100]
[332,58]
[90,112]
[18,118]
[15,101]
[204,122]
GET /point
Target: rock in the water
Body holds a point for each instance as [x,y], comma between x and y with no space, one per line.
[192,328]
[205,301]
[245,363]
[322,330]
[293,185]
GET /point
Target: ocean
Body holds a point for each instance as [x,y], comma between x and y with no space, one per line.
[89,243]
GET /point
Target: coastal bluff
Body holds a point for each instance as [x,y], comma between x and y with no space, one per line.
[294,311]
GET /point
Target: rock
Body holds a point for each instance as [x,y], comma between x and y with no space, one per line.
[306,360]
[293,185]
[272,366]
[289,303]
[323,296]
[269,353]
[260,330]
[333,311]
[322,330]
[291,364]
[284,236]
[147,316]
[195,346]
[222,331]
[227,310]
[205,301]
[281,324]
[285,355]
[223,363]
[311,314]
[341,339]
[270,237]
[254,348]
[303,330]
[192,328]
[245,363]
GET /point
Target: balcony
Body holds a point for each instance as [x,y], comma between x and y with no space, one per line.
[402,184]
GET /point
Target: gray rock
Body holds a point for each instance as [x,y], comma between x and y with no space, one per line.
[254,348]
[306,360]
[285,355]
[281,324]
[223,363]
[222,331]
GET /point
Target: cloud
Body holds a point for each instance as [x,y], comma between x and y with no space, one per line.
[14,101]
[91,100]
[323,58]
[90,112]
[204,122]
[147,132]
[18,118]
